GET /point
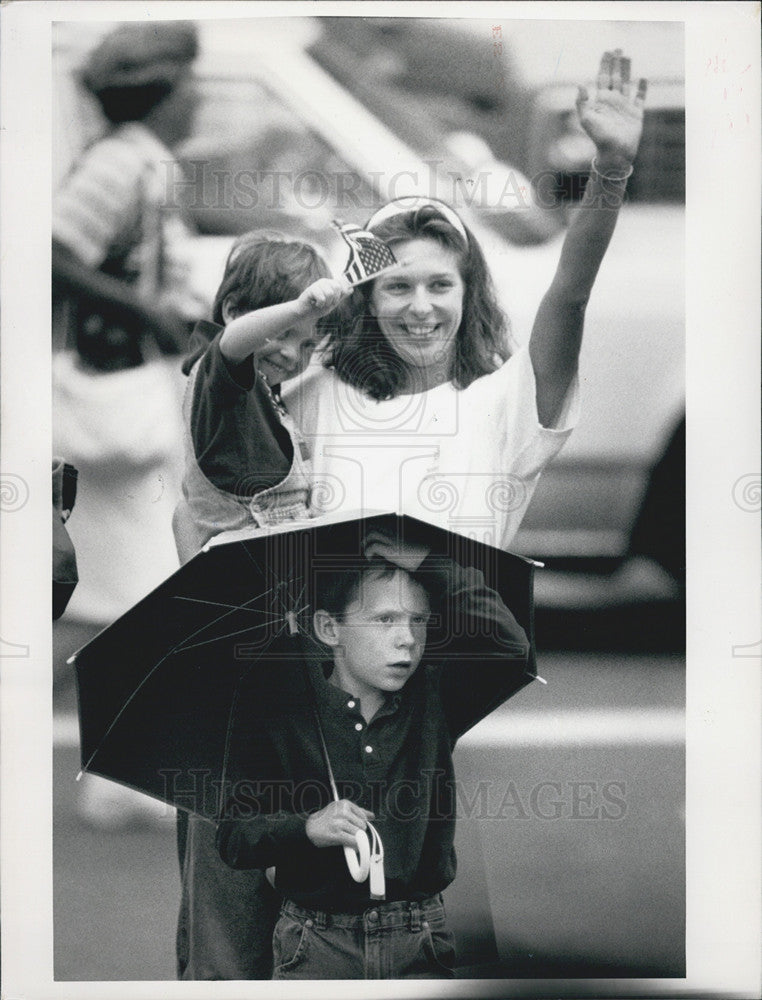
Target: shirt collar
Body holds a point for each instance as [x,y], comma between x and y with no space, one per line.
[337,698]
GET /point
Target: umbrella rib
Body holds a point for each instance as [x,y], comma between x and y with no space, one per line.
[278,584]
[153,670]
[229,635]
[232,607]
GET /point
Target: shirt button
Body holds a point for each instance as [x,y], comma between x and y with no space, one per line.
[369,749]
[373,916]
[308,923]
[350,704]
[358,726]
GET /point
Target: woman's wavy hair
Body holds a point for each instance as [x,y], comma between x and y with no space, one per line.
[360,354]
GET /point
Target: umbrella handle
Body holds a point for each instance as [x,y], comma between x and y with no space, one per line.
[364,860]
[358,858]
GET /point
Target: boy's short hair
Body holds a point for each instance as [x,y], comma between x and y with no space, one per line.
[264,269]
[336,589]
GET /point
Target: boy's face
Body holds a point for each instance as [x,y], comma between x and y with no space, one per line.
[288,354]
[381,636]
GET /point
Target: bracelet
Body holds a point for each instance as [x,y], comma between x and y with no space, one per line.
[610,177]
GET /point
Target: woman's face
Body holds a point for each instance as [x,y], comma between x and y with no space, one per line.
[419,308]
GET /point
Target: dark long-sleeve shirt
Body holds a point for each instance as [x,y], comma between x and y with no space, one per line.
[239,440]
[399,764]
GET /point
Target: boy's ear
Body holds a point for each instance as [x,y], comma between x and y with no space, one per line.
[325,626]
[229,308]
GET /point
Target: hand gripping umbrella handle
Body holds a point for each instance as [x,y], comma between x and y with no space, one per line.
[368,859]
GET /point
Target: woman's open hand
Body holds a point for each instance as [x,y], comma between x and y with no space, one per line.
[614,117]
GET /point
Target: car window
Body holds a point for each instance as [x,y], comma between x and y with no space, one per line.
[253,162]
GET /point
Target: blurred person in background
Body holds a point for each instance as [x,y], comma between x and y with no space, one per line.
[118,252]
[65,578]
[123,305]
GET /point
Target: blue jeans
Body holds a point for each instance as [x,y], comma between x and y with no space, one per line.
[403,940]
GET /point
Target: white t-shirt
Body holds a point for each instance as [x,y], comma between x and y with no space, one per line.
[467,460]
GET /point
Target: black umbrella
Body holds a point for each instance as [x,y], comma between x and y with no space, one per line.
[160,689]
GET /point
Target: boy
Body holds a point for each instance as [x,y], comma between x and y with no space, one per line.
[246,463]
[387,720]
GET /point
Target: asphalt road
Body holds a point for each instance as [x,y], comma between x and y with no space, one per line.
[559,897]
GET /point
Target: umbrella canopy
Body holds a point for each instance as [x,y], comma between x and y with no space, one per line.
[160,691]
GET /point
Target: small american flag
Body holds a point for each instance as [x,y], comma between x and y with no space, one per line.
[368,255]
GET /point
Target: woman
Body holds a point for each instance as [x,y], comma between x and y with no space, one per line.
[420,407]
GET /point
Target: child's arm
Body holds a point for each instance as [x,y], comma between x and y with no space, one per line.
[267,839]
[484,651]
[614,121]
[249,333]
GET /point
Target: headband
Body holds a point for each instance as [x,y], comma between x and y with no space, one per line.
[411,203]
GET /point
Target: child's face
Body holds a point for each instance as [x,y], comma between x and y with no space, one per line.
[420,306]
[288,354]
[382,634]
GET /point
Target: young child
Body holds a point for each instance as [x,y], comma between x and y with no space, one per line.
[246,462]
[387,721]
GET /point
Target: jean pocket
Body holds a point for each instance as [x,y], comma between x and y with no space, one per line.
[439,946]
[289,942]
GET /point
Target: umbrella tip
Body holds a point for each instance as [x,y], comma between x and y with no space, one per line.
[71,659]
[79,775]
[540,679]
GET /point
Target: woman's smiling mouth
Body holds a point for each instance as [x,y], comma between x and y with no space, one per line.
[420,331]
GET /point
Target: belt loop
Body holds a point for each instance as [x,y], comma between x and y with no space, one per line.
[415,917]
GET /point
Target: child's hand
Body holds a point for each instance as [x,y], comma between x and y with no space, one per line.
[613,119]
[322,296]
[402,554]
[337,824]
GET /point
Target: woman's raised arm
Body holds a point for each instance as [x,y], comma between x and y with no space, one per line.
[614,121]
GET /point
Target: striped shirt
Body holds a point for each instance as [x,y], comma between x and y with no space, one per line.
[115,212]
